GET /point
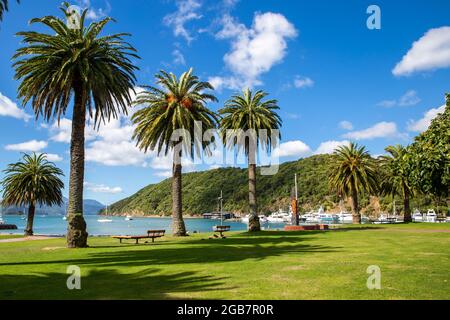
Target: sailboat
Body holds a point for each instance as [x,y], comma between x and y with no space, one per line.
[65,212]
[105,220]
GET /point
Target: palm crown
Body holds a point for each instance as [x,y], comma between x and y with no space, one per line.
[396,182]
[75,60]
[177,104]
[354,170]
[32,181]
[248,111]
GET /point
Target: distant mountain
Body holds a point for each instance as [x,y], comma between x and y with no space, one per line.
[91,207]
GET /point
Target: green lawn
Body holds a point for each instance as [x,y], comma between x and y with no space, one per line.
[9,236]
[414,261]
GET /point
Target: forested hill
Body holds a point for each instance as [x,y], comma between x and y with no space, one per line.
[201,190]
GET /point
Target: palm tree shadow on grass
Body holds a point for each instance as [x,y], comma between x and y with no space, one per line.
[233,249]
[109,284]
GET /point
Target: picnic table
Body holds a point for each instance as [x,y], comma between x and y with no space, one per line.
[221,230]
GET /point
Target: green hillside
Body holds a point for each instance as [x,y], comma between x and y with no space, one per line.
[201,189]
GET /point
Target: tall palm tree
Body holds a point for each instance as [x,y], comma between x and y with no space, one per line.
[396,179]
[95,70]
[30,182]
[4,7]
[353,172]
[178,104]
[245,114]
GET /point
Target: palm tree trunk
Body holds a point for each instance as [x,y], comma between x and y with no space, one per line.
[76,232]
[30,220]
[253,221]
[406,208]
[179,229]
[355,208]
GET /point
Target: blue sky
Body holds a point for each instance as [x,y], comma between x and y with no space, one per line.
[335,79]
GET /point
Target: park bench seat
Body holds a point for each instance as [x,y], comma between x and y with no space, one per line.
[151,234]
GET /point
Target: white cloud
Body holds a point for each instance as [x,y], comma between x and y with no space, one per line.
[292,149]
[423,124]
[219,83]
[101,188]
[178,57]
[10,109]
[111,144]
[187,10]
[379,130]
[54,157]
[329,147]
[61,131]
[432,51]
[255,50]
[410,98]
[303,82]
[346,125]
[164,174]
[29,146]
[95,13]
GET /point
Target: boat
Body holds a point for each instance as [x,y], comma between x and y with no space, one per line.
[321,216]
[345,217]
[417,216]
[104,220]
[279,217]
[128,218]
[64,218]
[431,216]
[262,219]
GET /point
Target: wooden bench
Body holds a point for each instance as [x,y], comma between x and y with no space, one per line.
[151,234]
[221,230]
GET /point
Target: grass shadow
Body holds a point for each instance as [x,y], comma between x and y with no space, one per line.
[108,284]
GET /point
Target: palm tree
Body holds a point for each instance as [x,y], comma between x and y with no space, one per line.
[178,104]
[96,70]
[396,179]
[353,172]
[244,115]
[4,7]
[30,182]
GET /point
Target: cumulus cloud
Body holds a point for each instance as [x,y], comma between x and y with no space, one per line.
[422,124]
[410,98]
[379,130]
[187,11]
[101,188]
[292,149]
[432,51]
[10,109]
[255,50]
[29,146]
[328,147]
[346,125]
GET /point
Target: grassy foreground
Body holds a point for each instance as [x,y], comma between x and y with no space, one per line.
[414,261]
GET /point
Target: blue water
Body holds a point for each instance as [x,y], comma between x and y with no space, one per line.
[50,225]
